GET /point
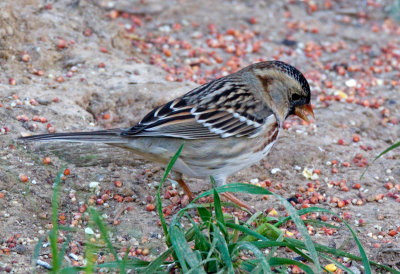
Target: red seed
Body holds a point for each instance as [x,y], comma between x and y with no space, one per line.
[12,81]
[23,178]
[167,52]
[106,116]
[392,233]
[346,215]
[60,79]
[365,103]
[88,32]
[357,186]
[346,164]
[118,183]
[341,142]
[51,129]
[46,160]
[345,188]
[67,172]
[212,28]
[25,57]
[118,198]
[324,218]
[150,207]
[340,204]
[116,222]
[253,20]
[103,50]
[389,185]
[167,195]
[150,199]
[82,208]
[128,199]
[61,44]
[356,138]
[379,197]
[334,170]
[341,71]
[113,14]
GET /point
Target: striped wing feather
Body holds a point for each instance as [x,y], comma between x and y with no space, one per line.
[230,110]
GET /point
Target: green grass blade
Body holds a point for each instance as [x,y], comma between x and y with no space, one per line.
[276,261]
[303,231]
[71,270]
[318,224]
[124,260]
[54,218]
[396,145]
[252,189]
[247,231]
[133,263]
[340,265]
[201,242]
[257,252]
[103,231]
[202,263]
[335,252]
[218,209]
[156,264]
[222,247]
[253,218]
[248,266]
[364,257]
[158,195]
[236,187]
[204,214]
[36,253]
[64,248]
[273,250]
[184,253]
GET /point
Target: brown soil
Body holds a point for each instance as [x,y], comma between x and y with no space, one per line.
[130,84]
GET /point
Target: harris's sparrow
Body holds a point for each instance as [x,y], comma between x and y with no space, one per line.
[226,125]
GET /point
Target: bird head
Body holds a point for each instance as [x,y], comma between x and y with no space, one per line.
[287,90]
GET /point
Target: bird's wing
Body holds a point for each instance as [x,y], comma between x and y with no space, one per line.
[219,109]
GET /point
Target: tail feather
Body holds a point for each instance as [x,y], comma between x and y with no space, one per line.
[101,136]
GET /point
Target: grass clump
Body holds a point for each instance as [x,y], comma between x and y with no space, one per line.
[214,242]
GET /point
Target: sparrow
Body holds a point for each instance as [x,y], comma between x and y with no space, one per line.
[226,125]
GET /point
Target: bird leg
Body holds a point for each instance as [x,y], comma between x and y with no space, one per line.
[227,195]
[238,202]
[186,189]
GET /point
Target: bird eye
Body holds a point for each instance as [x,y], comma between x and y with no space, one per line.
[295,97]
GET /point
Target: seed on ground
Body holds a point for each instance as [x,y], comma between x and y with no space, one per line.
[150,207]
[46,160]
[23,178]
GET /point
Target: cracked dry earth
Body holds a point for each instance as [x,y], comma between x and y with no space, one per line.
[76,65]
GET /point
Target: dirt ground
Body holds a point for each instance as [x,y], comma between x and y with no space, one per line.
[84,65]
